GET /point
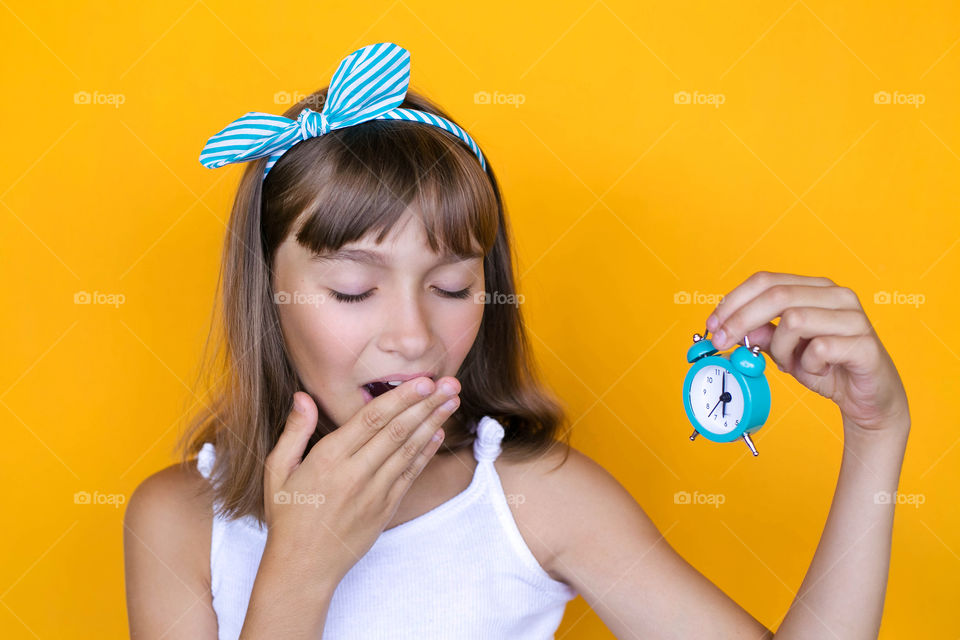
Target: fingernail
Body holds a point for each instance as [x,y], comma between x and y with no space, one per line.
[298,405]
[713,322]
[448,388]
[719,338]
[423,388]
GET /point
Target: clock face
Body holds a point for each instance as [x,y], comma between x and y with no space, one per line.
[716,399]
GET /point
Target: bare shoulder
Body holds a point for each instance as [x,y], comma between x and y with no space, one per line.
[555,498]
[588,531]
[166,540]
[173,505]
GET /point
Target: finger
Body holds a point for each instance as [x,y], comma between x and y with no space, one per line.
[288,452]
[798,323]
[752,286]
[378,413]
[858,353]
[406,478]
[774,301]
[400,470]
[397,434]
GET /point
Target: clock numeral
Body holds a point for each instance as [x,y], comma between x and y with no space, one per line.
[718,372]
[709,379]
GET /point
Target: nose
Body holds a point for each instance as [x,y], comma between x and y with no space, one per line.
[406,329]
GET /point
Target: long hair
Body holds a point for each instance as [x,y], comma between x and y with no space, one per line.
[329,191]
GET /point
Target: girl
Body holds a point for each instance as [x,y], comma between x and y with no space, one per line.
[360,469]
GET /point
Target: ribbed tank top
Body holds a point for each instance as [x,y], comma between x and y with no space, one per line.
[459,571]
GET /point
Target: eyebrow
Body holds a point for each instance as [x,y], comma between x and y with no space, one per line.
[365,256]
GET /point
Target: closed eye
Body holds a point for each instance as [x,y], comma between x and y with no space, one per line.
[345,297]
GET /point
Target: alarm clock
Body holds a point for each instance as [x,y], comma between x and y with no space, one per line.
[727,398]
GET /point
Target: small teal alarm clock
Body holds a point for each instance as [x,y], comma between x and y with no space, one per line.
[726,398]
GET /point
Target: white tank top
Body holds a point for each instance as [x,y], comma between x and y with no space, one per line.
[459,571]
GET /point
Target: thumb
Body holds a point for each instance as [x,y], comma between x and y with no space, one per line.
[287,453]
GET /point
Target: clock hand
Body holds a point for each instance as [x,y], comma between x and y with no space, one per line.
[723,393]
[714,408]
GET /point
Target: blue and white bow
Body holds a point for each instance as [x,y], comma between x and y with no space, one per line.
[370,84]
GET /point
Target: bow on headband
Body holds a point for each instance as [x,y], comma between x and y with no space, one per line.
[369,84]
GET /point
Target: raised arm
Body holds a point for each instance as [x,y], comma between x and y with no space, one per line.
[825,341]
[843,591]
[628,573]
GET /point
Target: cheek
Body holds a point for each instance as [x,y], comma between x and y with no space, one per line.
[319,338]
[458,328]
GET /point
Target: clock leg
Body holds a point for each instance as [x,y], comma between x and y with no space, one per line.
[694,436]
[753,449]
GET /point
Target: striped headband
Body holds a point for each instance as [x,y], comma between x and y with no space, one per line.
[369,84]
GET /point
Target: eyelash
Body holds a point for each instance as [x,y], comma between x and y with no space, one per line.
[344,297]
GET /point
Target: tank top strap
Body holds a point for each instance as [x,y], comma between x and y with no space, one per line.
[486,446]
[205,459]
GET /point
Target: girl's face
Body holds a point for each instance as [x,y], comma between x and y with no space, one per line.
[404,319]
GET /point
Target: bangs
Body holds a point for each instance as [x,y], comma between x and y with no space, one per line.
[360,180]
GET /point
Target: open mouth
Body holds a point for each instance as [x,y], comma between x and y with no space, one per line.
[379,388]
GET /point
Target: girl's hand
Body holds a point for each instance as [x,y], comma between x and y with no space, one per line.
[823,339]
[332,505]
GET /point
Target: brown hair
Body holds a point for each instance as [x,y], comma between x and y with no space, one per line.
[329,191]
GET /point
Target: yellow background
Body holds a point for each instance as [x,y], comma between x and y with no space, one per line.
[620,199]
